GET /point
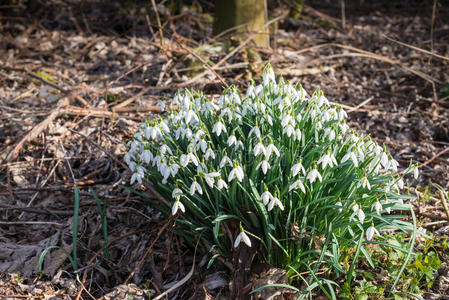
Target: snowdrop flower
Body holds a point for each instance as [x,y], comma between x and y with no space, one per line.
[209,177]
[221,184]
[164,149]
[191,115]
[138,175]
[209,154]
[378,207]
[298,134]
[275,201]
[225,160]
[232,140]
[219,128]
[350,155]
[357,211]
[255,130]
[415,172]
[195,187]
[185,159]
[266,197]
[259,148]
[364,183]
[239,144]
[242,237]
[250,92]
[128,156]
[298,167]
[313,175]
[288,130]
[265,166]
[268,76]
[341,206]
[177,205]
[370,232]
[327,159]
[176,193]
[329,133]
[297,184]
[146,156]
[271,148]
[237,172]
[201,144]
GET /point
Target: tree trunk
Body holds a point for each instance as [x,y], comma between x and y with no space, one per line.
[242,18]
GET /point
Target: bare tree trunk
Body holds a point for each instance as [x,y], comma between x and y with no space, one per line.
[243,17]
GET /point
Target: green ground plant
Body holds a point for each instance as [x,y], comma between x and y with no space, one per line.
[278,170]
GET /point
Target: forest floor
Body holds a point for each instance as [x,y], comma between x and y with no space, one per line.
[76,80]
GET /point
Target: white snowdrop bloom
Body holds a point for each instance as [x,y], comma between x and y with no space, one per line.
[327,159]
[174,168]
[400,184]
[277,100]
[188,133]
[176,193]
[239,144]
[342,114]
[259,91]
[393,165]
[370,232]
[266,197]
[256,132]
[341,206]
[128,156]
[157,161]
[359,212]
[287,119]
[177,205]
[164,126]
[265,166]
[298,134]
[221,184]
[199,134]
[242,237]
[184,160]
[190,115]
[219,128]
[134,146]
[195,187]
[179,132]
[202,168]
[201,144]
[289,130]
[268,77]
[271,148]
[322,101]
[225,160]
[350,155]
[298,167]
[138,175]
[378,207]
[209,154]
[232,140]
[210,178]
[165,149]
[259,148]
[383,157]
[237,172]
[297,184]
[226,112]
[343,128]
[313,175]
[415,172]
[275,201]
[329,133]
[364,183]
[250,92]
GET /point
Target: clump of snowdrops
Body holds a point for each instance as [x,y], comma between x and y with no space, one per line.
[275,169]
